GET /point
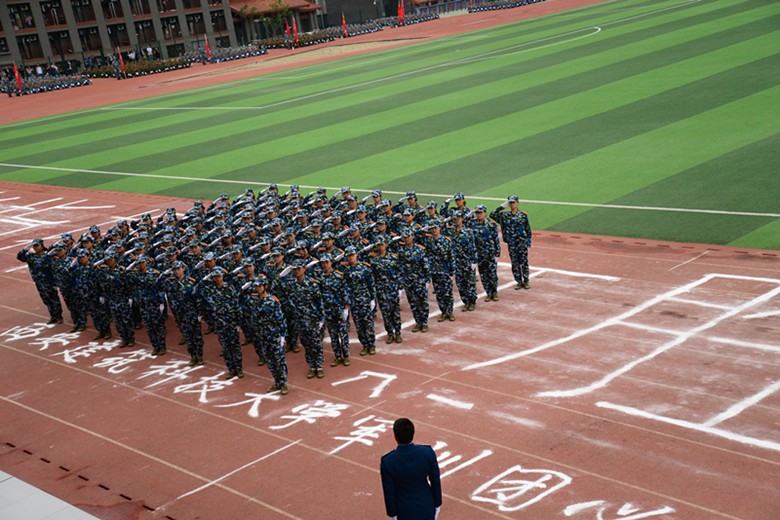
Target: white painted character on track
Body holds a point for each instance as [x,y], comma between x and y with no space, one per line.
[122,362]
[204,387]
[71,355]
[626,512]
[386,379]
[254,400]
[310,412]
[365,433]
[518,488]
[447,458]
[62,339]
[25,331]
[172,370]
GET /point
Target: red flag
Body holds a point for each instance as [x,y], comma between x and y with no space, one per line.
[344,25]
[400,11]
[18,78]
[208,49]
[121,61]
[287,28]
[295,31]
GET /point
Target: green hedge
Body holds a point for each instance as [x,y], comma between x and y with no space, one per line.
[138,68]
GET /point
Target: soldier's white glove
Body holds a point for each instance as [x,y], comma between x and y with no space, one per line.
[505,204]
[282,341]
[373,304]
[320,324]
[473,267]
[162,307]
[436,515]
[427,286]
[130,302]
[102,300]
[400,292]
[345,314]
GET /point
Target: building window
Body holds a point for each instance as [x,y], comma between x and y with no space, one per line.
[165,6]
[30,47]
[139,7]
[82,10]
[195,24]
[4,46]
[60,43]
[218,21]
[52,13]
[90,39]
[117,35]
[112,9]
[145,32]
[191,4]
[21,16]
[171,28]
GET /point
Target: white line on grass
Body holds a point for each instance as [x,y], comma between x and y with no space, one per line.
[368,190]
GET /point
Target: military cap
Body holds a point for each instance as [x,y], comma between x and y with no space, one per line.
[146,216]
[480,207]
[198,204]
[457,214]
[325,257]
[407,233]
[301,244]
[385,202]
[431,204]
[223,196]
[354,227]
[513,198]
[217,271]
[408,213]
[328,236]
[294,187]
[111,252]
[273,186]
[277,251]
[376,193]
[235,249]
[222,205]
[299,263]
[346,189]
[66,236]
[361,209]
[263,241]
[197,220]
[170,250]
[167,238]
[170,211]
[209,256]
[384,239]
[276,222]
[322,190]
[143,234]
[94,229]
[82,252]
[86,238]
[227,233]
[337,213]
[350,250]
[190,232]
[59,247]
[316,223]
[121,222]
[260,280]
[351,197]
[459,196]
[411,194]
[37,242]
[289,231]
[142,258]
[248,261]
[178,264]
[434,223]
[381,220]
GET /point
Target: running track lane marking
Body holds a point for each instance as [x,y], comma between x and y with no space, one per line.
[148,456]
[362,190]
[451,402]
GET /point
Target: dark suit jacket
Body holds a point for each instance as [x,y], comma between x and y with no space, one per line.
[410,480]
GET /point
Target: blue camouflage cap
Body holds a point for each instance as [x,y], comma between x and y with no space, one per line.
[82,252]
[277,251]
[217,271]
[94,229]
[326,257]
[376,193]
[178,264]
[248,261]
[37,242]
[346,189]
[513,198]
[459,196]
[480,208]
[209,256]
[142,258]
[260,280]
[431,204]
[66,236]
[299,263]
[350,250]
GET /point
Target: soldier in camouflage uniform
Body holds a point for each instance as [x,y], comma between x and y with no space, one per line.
[65,280]
[464,255]
[88,282]
[386,272]
[438,248]
[269,327]
[39,264]
[309,317]
[151,301]
[335,299]
[488,249]
[516,232]
[415,274]
[183,298]
[362,299]
[118,293]
[223,298]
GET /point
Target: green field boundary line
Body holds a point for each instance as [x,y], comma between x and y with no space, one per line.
[419,194]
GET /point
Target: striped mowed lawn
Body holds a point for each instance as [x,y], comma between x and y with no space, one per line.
[631,118]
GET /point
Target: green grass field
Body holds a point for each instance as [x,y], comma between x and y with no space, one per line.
[653,119]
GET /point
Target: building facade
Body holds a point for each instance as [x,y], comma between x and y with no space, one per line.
[68,32]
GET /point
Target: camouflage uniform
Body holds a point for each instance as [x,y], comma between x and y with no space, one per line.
[41,273]
[362,301]
[88,281]
[183,298]
[118,294]
[439,252]
[415,274]
[227,314]
[269,328]
[335,298]
[151,301]
[308,315]
[516,232]
[464,256]
[488,249]
[386,275]
[65,279]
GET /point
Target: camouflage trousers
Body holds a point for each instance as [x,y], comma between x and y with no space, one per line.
[417,296]
[390,305]
[363,317]
[338,332]
[228,336]
[442,288]
[51,299]
[311,338]
[488,274]
[466,281]
[275,358]
[518,255]
[153,320]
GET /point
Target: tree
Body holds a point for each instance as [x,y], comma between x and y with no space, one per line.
[280,12]
[250,15]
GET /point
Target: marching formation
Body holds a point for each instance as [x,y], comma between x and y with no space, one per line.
[280,270]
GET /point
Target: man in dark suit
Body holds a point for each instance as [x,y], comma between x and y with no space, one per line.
[410,477]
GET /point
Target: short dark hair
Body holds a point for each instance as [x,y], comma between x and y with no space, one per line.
[403,429]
